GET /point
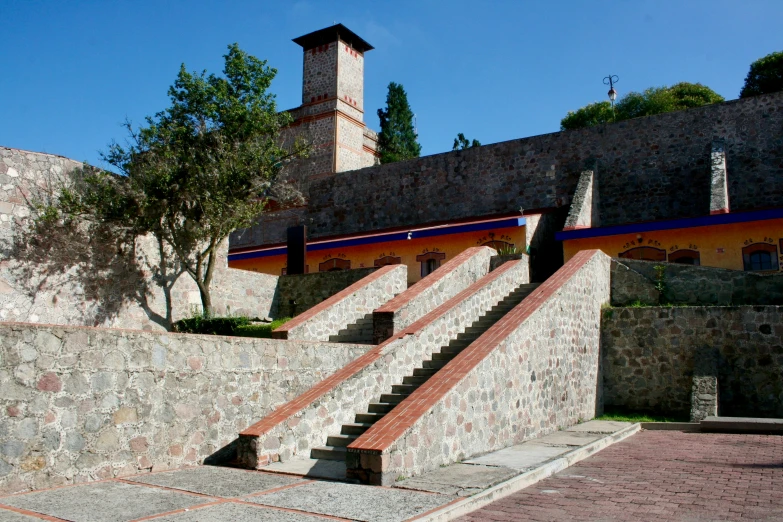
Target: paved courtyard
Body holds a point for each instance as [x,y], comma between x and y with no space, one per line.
[659,475]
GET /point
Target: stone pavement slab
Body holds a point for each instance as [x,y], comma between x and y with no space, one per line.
[655,476]
[353,501]
[216,482]
[521,457]
[599,426]
[104,502]
[458,479]
[311,468]
[234,512]
[12,516]
[566,438]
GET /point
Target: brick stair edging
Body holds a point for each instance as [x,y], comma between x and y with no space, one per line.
[444,283]
[305,422]
[346,306]
[466,408]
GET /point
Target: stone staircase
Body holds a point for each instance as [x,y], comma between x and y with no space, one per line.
[336,445]
[359,332]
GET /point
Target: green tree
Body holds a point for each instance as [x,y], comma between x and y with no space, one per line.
[462,143]
[198,170]
[765,75]
[655,100]
[397,139]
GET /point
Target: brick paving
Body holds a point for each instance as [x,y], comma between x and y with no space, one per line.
[659,475]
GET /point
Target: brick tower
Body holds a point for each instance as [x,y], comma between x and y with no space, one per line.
[332,112]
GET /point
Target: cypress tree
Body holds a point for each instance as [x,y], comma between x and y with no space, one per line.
[397,139]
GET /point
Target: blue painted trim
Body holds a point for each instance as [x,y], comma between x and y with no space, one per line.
[386,238]
[704,221]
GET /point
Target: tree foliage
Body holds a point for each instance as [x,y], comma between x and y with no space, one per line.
[397,139]
[462,143]
[196,171]
[655,100]
[765,76]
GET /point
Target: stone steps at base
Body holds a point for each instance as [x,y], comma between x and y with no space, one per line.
[355,428]
[339,441]
[368,418]
[328,453]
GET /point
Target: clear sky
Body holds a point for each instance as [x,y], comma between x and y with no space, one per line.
[72,71]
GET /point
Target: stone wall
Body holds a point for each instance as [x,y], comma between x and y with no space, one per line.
[534,372]
[347,306]
[432,291]
[305,422]
[649,355]
[663,160]
[297,293]
[79,298]
[635,280]
[83,404]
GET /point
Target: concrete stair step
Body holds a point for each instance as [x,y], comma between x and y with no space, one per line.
[415,379]
[433,364]
[355,428]
[469,336]
[380,407]
[340,441]
[453,350]
[328,453]
[423,372]
[367,418]
[441,357]
[393,398]
[404,388]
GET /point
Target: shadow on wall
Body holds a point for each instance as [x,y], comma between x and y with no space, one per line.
[103,266]
[546,253]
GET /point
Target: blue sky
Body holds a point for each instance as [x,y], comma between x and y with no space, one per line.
[72,71]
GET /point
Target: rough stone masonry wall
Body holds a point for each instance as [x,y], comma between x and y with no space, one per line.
[300,292]
[635,280]
[648,358]
[662,161]
[430,292]
[63,299]
[533,372]
[306,421]
[347,306]
[83,404]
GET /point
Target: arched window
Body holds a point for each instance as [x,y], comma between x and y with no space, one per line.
[760,257]
[331,265]
[685,257]
[430,262]
[387,260]
[645,253]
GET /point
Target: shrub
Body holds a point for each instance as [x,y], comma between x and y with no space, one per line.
[237,326]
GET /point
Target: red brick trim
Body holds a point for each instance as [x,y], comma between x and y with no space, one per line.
[291,408]
[282,332]
[428,282]
[394,424]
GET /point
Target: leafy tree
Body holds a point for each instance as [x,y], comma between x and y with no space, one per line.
[198,170]
[462,143]
[765,75]
[397,139]
[655,100]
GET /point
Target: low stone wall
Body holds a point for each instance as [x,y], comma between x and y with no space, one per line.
[82,404]
[533,372]
[649,356]
[118,296]
[432,291]
[298,293]
[634,280]
[293,429]
[347,306]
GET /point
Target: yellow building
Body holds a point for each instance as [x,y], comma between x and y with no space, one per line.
[422,249]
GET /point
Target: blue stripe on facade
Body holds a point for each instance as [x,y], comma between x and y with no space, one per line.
[385,238]
[717,219]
